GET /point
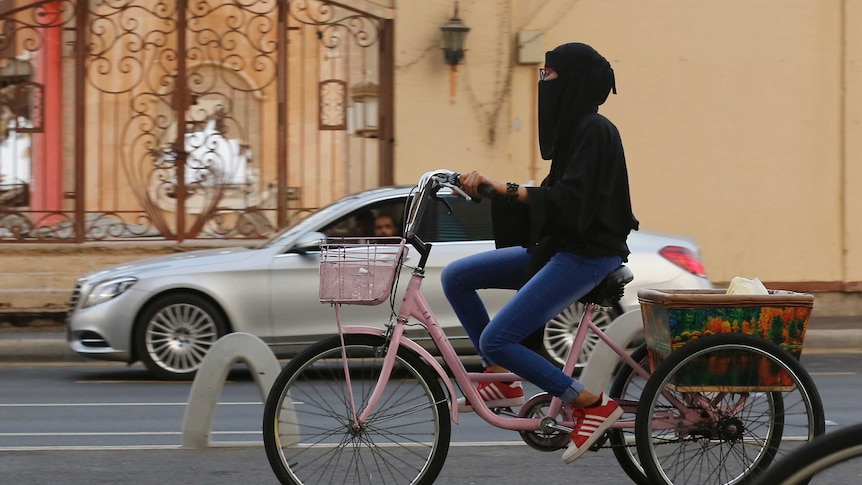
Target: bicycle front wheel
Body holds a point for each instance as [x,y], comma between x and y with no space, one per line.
[309,432]
[722,408]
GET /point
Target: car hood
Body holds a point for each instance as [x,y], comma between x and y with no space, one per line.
[180,262]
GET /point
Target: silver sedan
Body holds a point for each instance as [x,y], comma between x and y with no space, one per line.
[168,311]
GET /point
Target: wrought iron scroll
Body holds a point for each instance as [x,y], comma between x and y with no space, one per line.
[131,64]
[23,32]
[336,23]
[239,38]
[165,85]
[230,49]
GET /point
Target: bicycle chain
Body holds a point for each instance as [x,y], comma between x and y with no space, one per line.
[606,438]
[600,444]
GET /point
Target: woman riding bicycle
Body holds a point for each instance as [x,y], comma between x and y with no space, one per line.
[555,242]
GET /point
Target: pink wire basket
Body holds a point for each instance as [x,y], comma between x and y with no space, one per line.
[359,271]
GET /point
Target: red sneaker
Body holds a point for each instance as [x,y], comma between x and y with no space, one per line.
[496,395]
[592,423]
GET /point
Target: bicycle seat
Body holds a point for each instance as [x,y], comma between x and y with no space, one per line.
[610,290]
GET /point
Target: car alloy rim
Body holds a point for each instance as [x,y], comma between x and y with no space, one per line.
[560,333]
[179,336]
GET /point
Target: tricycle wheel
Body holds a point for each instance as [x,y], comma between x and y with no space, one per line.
[719,407]
[627,389]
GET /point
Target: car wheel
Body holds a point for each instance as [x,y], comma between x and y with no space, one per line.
[559,335]
[175,332]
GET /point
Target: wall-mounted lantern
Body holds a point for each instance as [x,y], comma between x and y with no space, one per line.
[454,33]
[365,96]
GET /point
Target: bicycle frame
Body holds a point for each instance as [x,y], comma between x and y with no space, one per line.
[415,305]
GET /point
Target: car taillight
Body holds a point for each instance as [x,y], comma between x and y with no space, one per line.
[684,258]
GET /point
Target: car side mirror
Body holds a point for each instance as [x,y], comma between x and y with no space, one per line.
[308,242]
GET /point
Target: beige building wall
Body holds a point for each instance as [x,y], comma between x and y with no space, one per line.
[851,188]
[741,119]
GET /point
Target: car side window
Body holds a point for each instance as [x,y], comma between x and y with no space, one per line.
[468,221]
[363,222]
[357,223]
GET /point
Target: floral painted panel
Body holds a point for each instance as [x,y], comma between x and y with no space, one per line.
[668,329]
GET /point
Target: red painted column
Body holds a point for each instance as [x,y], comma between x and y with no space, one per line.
[47,189]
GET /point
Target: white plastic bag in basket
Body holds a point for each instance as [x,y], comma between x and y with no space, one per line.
[744,286]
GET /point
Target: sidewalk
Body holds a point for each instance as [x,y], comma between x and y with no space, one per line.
[835,334]
[46,342]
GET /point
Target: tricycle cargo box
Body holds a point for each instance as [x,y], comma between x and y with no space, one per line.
[674,317]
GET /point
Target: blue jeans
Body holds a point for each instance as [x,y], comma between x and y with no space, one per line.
[562,281]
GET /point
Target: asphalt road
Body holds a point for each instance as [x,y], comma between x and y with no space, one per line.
[46,439]
[95,423]
[91,423]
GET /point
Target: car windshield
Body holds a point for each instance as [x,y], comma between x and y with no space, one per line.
[309,223]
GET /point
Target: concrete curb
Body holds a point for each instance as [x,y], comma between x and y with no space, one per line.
[38,350]
[834,339]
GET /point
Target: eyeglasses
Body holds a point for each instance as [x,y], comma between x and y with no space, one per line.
[546,72]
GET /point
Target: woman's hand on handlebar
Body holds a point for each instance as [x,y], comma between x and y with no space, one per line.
[471,180]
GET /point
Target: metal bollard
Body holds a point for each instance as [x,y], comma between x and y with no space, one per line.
[209,381]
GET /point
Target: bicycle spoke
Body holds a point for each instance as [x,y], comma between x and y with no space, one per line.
[404,438]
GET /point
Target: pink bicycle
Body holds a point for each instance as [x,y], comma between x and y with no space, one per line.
[370,405]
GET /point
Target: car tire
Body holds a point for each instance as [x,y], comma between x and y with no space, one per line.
[174,333]
[559,334]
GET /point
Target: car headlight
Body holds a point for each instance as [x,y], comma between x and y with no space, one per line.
[108,290]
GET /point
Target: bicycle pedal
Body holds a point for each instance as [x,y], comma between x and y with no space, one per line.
[600,442]
[506,411]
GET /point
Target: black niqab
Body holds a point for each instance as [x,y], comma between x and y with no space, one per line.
[585,81]
[583,206]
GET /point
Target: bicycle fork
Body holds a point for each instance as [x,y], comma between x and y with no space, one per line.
[392,338]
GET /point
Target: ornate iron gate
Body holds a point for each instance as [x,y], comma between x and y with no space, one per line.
[187,119]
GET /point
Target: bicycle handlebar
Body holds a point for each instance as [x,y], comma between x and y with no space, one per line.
[429,184]
[484,190]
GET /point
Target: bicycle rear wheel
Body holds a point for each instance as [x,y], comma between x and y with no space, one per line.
[626,389]
[727,430]
[307,428]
